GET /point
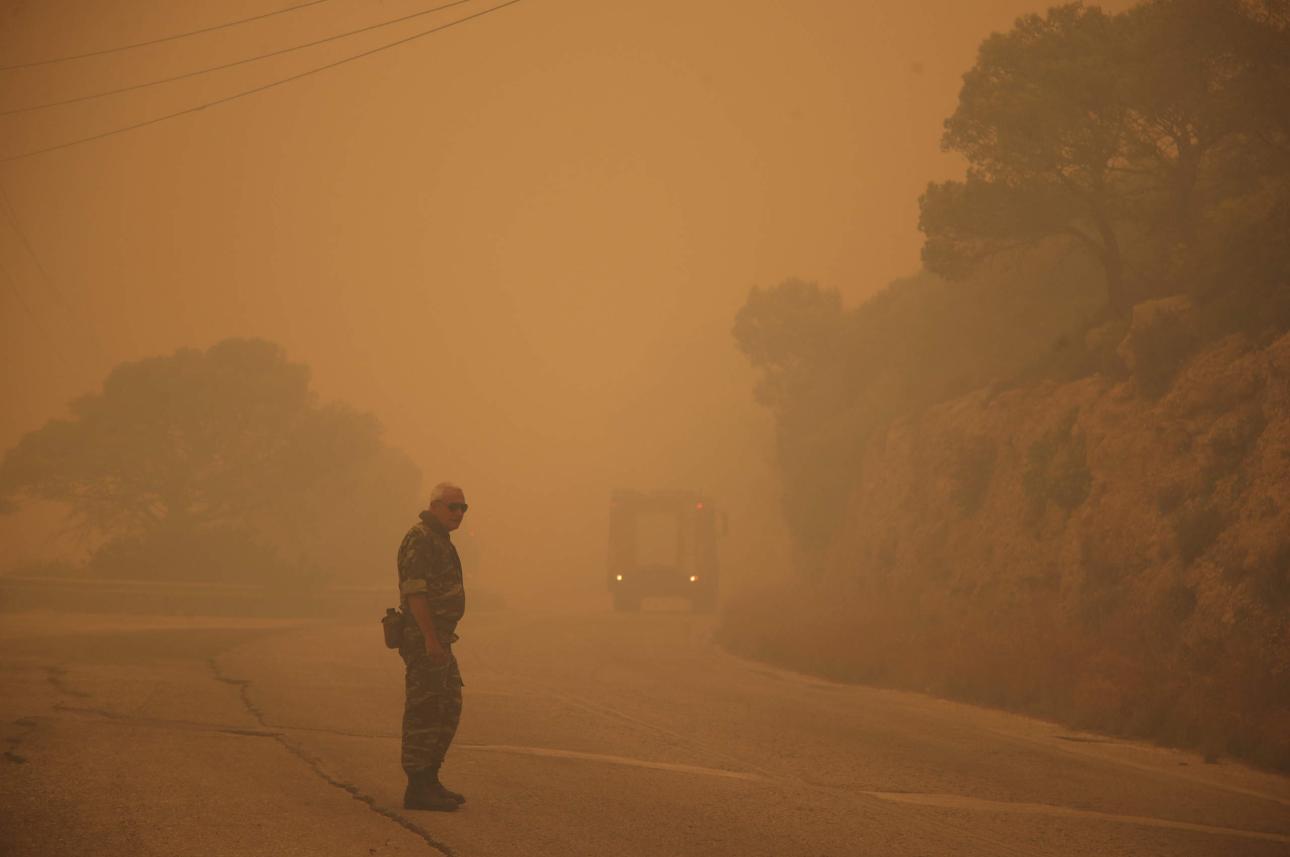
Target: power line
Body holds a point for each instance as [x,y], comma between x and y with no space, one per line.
[31,251]
[232,64]
[158,41]
[257,89]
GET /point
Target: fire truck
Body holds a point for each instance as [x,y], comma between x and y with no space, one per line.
[663,543]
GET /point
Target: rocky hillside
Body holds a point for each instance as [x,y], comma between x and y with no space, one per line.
[1113,551]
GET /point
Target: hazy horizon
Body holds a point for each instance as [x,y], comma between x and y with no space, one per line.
[520,242]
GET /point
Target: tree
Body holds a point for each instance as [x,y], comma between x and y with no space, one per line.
[793,334]
[1042,128]
[1206,85]
[1118,133]
[1199,79]
[788,332]
[223,453]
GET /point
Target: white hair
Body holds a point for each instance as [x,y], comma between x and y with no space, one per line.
[439,491]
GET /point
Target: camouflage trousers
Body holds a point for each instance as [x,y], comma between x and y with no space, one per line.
[431,710]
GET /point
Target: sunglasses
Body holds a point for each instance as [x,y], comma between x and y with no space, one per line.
[458,507]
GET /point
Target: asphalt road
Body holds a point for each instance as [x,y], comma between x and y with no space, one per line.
[583,734]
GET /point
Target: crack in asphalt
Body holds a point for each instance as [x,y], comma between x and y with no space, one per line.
[168,723]
[57,676]
[271,730]
[28,725]
[315,764]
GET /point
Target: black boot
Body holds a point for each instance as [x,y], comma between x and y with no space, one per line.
[424,792]
[456,797]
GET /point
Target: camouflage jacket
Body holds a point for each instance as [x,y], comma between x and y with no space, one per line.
[429,565]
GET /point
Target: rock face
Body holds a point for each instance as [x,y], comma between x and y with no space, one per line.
[1114,552]
[1162,333]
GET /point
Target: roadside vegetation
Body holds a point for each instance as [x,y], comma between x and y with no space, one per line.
[1050,472]
[216,466]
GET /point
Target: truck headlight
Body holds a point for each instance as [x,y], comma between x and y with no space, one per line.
[694,578]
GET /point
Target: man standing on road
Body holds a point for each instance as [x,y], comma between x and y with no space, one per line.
[433,598]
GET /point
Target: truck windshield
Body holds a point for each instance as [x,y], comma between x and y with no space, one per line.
[658,539]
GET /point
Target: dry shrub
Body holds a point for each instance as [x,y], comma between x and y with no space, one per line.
[1135,673]
[1057,469]
[1162,335]
[972,471]
[1196,527]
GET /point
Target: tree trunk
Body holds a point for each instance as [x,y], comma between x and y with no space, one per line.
[1118,298]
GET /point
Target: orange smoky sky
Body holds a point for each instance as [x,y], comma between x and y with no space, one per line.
[520,242]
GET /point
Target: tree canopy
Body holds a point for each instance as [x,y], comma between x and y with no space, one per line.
[220,464]
[1121,134]
[785,331]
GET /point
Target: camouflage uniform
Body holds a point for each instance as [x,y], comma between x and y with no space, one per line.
[429,565]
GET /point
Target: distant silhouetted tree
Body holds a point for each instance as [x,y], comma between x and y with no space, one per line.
[787,332]
[793,334]
[219,464]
